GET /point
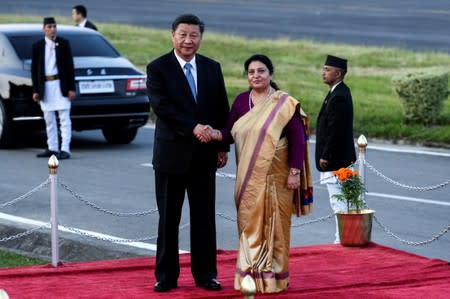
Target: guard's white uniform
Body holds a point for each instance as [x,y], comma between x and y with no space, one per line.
[53,102]
[333,189]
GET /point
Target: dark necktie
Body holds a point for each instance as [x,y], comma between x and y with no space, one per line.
[190,79]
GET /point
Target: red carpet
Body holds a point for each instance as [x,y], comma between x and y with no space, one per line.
[327,271]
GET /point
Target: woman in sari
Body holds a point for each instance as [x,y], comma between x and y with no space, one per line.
[273,177]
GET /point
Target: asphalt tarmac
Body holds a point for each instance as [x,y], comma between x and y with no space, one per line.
[412,24]
[120,178]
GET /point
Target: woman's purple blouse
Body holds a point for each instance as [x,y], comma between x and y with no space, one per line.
[294,130]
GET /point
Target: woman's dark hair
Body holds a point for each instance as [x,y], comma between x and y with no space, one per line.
[264,60]
[190,20]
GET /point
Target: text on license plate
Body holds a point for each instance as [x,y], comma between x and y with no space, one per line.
[97,86]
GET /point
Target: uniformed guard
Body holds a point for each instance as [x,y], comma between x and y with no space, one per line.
[52,74]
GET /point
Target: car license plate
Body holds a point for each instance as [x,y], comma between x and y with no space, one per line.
[96,86]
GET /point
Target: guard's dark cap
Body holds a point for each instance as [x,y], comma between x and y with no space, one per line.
[49,20]
[336,62]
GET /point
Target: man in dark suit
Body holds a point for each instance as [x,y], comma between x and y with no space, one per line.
[79,16]
[187,93]
[335,146]
[53,78]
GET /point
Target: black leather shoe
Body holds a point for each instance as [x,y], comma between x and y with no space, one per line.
[210,285]
[63,155]
[164,286]
[47,154]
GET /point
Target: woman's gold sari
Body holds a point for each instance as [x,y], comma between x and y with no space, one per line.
[264,204]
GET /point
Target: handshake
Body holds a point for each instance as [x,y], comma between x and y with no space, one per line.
[205,133]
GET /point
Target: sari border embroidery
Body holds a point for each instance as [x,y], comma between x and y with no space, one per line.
[263,275]
[259,143]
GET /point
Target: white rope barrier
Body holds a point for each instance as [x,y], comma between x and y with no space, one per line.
[412,243]
[53,182]
[116,239]
[414,188]
[26,195]
[104,210]
[25,233]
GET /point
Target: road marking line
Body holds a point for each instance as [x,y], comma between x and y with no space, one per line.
[218,174]
[403,151]
[371,147]
[408,198]
[22,220]
[383,195]
[27,221]
[407,151]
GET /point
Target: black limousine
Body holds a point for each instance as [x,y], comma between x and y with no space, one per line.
[110,90]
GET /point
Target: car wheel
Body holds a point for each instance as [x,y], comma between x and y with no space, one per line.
[119,135]
[6,135]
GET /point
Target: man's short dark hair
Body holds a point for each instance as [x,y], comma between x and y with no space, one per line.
[81,9]
[188,19]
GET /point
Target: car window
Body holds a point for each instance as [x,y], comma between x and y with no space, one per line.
[82,45]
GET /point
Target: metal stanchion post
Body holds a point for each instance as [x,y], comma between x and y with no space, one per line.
[3,294]
[248,287]
[362,144]
[53,164]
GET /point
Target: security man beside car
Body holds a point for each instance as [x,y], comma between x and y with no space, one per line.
[52,74]
[79,16]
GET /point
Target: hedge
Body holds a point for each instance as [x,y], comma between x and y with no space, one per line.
[422,94]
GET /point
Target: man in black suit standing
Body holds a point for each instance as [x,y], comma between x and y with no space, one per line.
[187,93]
[335,146]
[79,16]
[53,78]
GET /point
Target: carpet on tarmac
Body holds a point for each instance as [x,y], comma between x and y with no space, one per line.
[325,271]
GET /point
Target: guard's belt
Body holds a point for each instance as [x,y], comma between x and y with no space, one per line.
[51,78]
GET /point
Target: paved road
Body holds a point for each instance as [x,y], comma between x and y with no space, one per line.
[413,24]
[118,178]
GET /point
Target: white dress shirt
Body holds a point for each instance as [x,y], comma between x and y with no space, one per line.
[83,23]
[53,98]
[334,86]
[50,58]
[182,62]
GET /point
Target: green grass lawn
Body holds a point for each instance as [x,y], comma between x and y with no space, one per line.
[9,260]
[298,67]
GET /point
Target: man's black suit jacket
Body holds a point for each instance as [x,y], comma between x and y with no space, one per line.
[334,133]
[90,25]
[175,146]
[64,63]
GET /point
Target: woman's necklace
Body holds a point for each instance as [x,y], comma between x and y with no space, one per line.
[269,91]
